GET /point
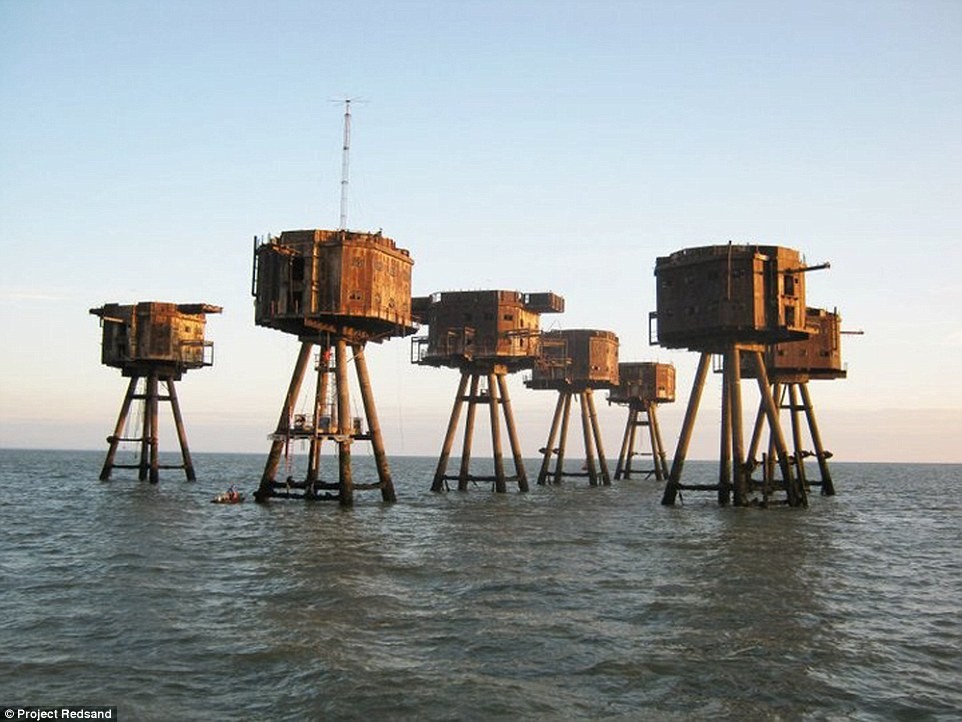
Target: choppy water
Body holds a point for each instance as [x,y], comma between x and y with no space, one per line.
[564,603]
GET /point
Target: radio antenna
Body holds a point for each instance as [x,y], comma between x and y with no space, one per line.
[346,155]
[345,162]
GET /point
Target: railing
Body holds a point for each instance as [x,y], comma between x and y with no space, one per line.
[196,353]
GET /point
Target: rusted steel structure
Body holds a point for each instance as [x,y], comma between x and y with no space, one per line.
[734,301]
[336,290]
[790,366]
[642,385]
[485,335]
[155,343]
[575,362]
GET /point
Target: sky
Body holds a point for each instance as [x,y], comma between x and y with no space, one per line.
[523,145]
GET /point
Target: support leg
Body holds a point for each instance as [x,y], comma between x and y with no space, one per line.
[145,432]
[549,448]
[657,445]
[512,434]
[599,443]
[493,401]
[152,407]
[373,425]
[770,460]
[438,484]
[828,487]
[344,427]
[181,433]
[563,439]
[468,434]
[632,439]
[796,433]
[320,400]
[795,492]
[284,422]
[114,439]
[751,458]
[148,465]
[623,453]
[725,451]
[589,442]
[678,463]
[738,432]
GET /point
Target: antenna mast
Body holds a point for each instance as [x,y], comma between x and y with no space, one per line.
[345,162]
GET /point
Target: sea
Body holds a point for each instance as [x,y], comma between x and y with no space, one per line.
[569,602]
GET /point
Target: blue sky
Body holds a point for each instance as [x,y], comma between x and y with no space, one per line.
[518,145]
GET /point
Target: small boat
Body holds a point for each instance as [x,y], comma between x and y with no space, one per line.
[228,497]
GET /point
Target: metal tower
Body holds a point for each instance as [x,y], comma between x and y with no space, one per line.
[154,342]
[790,367]
[733,301]
[335,290]
[641,387]
[574,362]
[485,335]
